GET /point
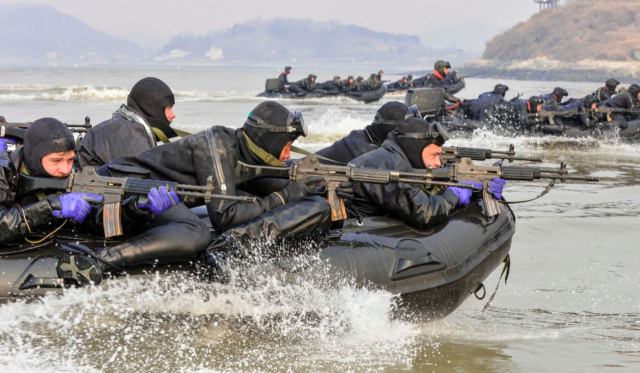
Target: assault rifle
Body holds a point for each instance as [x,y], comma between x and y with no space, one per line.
[465,170]
[454,154]
[607,111]
[17,130]
[334,175]
[551,115]
[114,189]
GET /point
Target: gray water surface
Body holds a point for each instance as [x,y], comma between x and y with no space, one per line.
[571,304]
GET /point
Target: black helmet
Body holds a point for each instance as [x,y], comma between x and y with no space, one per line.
[560,93]
[380,72]
[534,101]
[150,97]
[440,65]
[287,69]
[414,134]
[271,126]
[387,118]
[588,101]
[501,89]
[312,76]
[404,78]
[374,76]
[360,79]
[611,84]
[336,78]
[350,77]
[410,76]
[634,89]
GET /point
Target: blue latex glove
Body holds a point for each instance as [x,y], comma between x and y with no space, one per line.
[160,200]
[495,186]
[5,141]
[76,206]
[464,194]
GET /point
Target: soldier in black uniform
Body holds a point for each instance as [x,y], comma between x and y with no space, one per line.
[609,89]
[139,125]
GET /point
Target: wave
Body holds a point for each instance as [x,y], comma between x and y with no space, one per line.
[91,93]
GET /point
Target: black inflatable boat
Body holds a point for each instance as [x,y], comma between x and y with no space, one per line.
[364,96]
[273,90]
[436,269]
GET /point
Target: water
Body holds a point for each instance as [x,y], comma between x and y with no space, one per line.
[572,302]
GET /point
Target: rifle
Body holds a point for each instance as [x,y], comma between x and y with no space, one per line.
[113,189]
[334,175]
[551,115]
[465,170]
[454,154]
[18,130]
[610,110]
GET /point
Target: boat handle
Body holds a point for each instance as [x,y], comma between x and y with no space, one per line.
[404,264]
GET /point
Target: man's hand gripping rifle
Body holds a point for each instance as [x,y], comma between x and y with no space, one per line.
[115,189]
[334,175]
[465,170]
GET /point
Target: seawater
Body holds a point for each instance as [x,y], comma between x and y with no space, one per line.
[572,302]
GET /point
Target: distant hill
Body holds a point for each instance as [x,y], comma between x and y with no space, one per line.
[583,40]
[305,42]
[37,34]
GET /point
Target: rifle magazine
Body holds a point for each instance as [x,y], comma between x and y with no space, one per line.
[111,219]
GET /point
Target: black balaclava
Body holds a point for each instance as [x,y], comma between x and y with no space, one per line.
[413,147]
[588,101]
[634,89]
[387,118]
[151,96]
[611,84]
[45,136]
[534,101]
[560,93]
[276,115]
[501,89]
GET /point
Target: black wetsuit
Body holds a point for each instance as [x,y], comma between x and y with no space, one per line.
[627,104]
[356,143]
[482,107]
[435,81]
[176,234]
[406,202]
[216,152]
[602,94]
[126,133]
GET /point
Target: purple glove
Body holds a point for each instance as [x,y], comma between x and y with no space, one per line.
[4,141]
[464,194]
[76,206]
[160,200]
[495,186]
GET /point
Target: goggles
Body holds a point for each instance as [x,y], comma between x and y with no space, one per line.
[295,124]
[435,132]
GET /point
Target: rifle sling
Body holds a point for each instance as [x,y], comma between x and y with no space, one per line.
[545,191]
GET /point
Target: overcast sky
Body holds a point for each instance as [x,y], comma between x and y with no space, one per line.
[156,21]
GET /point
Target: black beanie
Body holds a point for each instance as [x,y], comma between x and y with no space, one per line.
[634,90]
[387,118]
[534,101]
[588,101]
[501,89]
[151,96]
[413,147]
[611,84]
[560,93]
[276,115]
[45,136]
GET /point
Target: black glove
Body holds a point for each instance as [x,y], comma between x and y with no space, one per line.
[300,189]
[345,191]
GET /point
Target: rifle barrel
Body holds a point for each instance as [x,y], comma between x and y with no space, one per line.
[217,196]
